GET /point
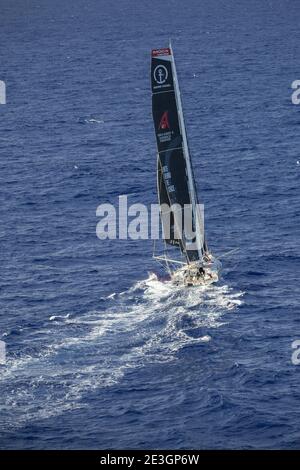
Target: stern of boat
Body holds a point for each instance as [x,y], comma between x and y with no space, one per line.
[189,274]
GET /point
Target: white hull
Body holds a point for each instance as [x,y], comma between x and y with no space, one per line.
[189,275]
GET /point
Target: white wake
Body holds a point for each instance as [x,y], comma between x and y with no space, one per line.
[75,355]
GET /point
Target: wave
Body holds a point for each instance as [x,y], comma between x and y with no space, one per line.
[91,120]
[149,323]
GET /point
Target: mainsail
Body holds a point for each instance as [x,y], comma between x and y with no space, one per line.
[175,181]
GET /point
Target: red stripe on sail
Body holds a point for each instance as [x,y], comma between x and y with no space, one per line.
[158,52]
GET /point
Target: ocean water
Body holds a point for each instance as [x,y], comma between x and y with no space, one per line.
[100,354]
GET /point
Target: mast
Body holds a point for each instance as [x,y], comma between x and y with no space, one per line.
[199,239]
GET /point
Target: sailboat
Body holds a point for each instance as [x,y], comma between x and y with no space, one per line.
[180,212]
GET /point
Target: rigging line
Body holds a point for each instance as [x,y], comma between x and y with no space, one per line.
[234,250]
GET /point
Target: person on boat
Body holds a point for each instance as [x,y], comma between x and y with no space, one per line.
[200,273]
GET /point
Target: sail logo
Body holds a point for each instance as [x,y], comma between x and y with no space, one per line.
[164,122]
[164,133]
[160,74]
[157,52]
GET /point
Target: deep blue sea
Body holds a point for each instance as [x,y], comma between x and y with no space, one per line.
[99,354]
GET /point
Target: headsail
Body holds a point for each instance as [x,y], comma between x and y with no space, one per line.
[174,171]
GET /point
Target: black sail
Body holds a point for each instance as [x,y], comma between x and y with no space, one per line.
[172,175]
